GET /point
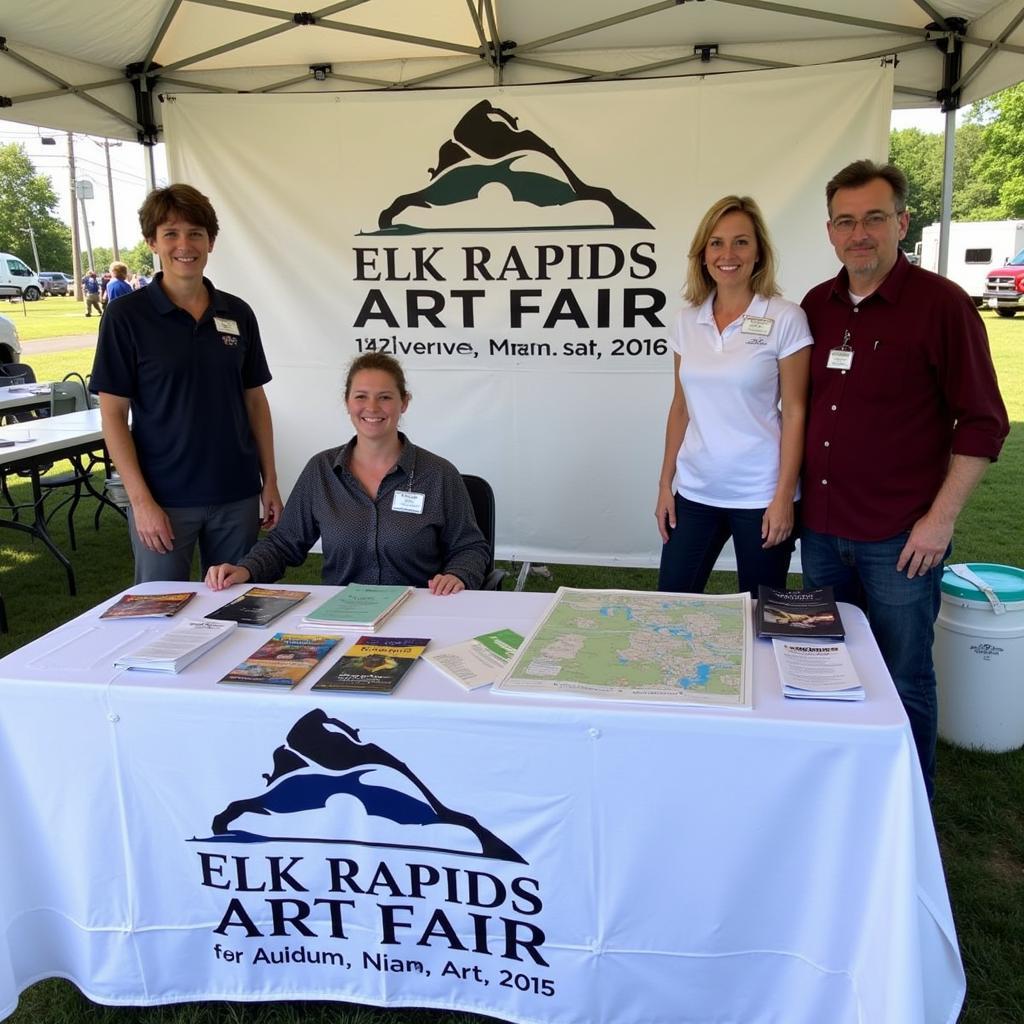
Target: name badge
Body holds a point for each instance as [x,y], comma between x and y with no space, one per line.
[408,501]
[226,326]
[840,359]
[758,325]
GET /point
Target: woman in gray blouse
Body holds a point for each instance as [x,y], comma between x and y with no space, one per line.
[388,512]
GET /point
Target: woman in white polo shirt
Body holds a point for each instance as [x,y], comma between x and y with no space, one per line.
[732,454]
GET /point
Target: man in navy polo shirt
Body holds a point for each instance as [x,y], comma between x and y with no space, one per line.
[188,362]
[905,416]
[91,291]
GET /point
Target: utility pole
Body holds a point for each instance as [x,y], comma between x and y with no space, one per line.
[76,249]
[110,195]
[35,251]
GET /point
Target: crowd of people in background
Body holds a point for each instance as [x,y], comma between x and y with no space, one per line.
[99,291]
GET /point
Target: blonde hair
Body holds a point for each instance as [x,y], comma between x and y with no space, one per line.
[699,283]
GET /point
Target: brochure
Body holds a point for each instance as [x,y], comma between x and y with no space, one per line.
[143,605]
[282,661]
[798,613]
[810,669]
[177,648]
[136,606]
[374,664]
[359,606]
[259,606]
[479,661]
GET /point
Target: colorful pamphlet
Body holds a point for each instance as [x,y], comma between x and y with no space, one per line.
[282,661]
[177,648]
[374,664]
[800,614]
[136,606]
[359,606]
[479,661]
[259,606]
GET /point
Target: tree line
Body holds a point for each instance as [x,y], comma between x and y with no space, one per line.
[27,199]
[988,165]
[988,184]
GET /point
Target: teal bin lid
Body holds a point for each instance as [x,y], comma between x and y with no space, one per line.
[1005,580]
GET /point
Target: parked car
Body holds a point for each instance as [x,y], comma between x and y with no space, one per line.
[55,283]
[10,346]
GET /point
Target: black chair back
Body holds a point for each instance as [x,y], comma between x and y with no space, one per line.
[481,497]
[16,373]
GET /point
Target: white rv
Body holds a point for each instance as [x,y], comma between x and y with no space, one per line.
[17,279]
[975,248]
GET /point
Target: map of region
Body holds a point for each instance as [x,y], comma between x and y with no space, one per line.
[639,646]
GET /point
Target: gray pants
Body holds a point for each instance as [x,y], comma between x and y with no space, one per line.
[225,533]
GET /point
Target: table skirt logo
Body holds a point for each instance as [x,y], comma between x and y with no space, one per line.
[487,148]
[328,786]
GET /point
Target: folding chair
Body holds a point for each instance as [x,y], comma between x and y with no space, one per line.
[72,395]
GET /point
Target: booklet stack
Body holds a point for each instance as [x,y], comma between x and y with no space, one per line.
[259,606]
[177,648]
[479,661]
[798,613]
[814,669]
[373,664]
[282,661]
[137,606]
[359,606]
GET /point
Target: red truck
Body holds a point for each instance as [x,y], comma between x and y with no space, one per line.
[1004,287]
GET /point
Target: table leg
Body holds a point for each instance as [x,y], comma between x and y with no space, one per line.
[38,529]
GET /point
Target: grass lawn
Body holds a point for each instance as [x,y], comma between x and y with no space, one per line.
[978,810]
[56,316]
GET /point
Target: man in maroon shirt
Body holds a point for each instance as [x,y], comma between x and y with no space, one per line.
[905,416]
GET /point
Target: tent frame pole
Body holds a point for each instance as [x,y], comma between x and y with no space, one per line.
[952,45]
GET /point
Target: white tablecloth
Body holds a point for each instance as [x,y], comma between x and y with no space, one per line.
[653,864]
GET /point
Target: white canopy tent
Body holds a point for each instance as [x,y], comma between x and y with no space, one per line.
[89,69]
[99,69]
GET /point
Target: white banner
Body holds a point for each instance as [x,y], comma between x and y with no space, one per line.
[522,252]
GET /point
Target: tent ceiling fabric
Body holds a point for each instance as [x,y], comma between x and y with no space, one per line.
[63,68]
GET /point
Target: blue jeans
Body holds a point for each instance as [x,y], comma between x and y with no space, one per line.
[225,533]
[902,615]
[689,554]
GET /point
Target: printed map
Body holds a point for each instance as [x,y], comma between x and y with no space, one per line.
[638,646]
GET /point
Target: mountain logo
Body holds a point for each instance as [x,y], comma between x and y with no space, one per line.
[328,786]
[508,174]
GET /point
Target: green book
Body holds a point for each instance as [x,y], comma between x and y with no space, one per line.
[359,606]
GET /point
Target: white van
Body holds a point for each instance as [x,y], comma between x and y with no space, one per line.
[18,278]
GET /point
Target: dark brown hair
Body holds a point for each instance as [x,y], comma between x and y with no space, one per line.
[862,172]
[177,200]
[377,361]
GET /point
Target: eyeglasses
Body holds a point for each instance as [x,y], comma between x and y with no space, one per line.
[871,222]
